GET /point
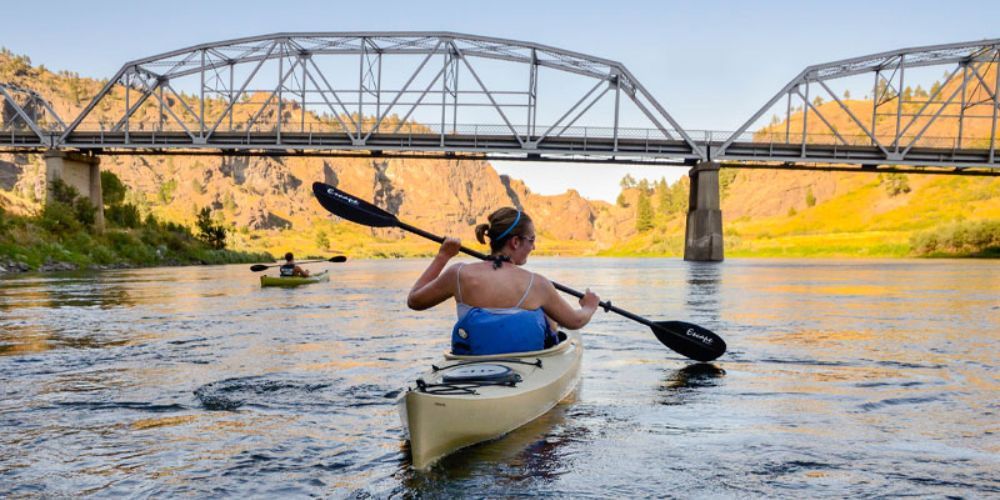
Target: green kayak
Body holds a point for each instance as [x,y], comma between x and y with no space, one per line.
[295,281]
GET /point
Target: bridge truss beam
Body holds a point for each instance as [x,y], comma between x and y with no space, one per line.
[951,123]
[437,91]
[26,118]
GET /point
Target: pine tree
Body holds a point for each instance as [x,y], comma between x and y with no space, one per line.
[643,213]
[210,232]
[894,183]
[663,199]
[679,195]
[621,201]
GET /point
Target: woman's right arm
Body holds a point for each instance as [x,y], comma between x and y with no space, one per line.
[434,287]
[558,309]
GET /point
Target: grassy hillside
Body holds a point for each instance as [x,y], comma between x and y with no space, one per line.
[855,215]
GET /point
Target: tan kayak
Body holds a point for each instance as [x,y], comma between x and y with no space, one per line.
[294,281]
[471,399]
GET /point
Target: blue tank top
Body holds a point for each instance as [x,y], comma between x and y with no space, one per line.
[287,270]
[483,331]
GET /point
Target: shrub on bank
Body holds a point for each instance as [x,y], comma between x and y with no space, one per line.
[67,202]
[124,215]
[4,222]
[59,218]
[974,239]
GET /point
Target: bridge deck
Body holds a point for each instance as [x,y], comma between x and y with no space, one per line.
[630,150]
[652,150]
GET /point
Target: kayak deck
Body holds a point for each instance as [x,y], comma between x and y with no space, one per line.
[442,416]
[294,281]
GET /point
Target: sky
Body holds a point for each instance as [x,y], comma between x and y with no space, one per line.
[710,63]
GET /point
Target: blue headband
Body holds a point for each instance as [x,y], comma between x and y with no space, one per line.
[512,226]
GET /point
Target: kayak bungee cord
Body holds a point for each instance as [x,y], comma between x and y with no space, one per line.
[464,387]
[468,378]
[536,362]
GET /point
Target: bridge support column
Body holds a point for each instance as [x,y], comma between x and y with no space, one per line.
[80,171]
[703,238]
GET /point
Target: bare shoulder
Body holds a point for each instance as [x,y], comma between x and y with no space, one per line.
[544,282]
[452,269]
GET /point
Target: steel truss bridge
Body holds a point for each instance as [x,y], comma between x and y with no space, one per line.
[443,94]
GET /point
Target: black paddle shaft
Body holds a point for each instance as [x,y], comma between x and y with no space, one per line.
[261,267]
[688,339]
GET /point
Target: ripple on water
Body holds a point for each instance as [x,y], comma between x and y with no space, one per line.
[284,391]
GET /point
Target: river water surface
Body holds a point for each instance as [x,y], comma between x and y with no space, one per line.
[843,378]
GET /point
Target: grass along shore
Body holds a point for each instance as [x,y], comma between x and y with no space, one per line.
[33,244]
[62,237]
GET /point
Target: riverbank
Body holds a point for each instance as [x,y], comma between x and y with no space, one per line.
[967,239]
[42,244]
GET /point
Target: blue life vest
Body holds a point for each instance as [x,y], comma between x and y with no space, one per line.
[499,331]
[287,270]
[483,331]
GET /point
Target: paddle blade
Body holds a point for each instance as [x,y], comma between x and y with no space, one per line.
[258,267]
[689,340]
[348,207]
[338,258]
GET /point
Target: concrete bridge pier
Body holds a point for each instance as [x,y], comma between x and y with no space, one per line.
[80,171]
[703,238]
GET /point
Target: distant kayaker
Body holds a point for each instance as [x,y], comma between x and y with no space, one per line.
[501,308]
[290,269]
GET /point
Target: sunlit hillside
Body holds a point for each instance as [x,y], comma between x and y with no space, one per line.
[784,213]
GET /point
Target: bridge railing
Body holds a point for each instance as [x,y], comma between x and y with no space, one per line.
[319,127]
[106,135]
[484,129]
[17,133]
[842,139]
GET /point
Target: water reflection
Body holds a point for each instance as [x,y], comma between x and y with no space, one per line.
[69,289]
[678,385]
[704,280]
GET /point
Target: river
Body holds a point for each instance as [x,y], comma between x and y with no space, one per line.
[843,378]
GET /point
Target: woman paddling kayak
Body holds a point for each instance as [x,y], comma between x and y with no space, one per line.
[501,307]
